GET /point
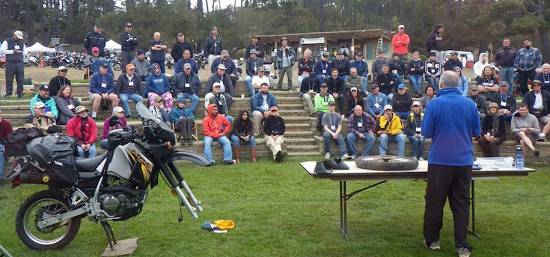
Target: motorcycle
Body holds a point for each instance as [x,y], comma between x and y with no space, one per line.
[110,187]
[201,60]
[33,62]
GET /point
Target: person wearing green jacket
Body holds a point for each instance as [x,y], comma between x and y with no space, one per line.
[321,101]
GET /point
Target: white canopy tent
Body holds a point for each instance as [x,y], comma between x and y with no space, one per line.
[112,46]
[39,48]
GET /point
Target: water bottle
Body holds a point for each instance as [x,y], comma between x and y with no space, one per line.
[519,157]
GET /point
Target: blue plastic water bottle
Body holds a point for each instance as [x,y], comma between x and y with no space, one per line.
[519,157]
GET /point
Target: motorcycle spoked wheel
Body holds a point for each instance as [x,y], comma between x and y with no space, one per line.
[41,205]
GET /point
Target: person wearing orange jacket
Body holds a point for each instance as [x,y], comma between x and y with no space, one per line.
[216,128]
[84,129]
[400,42]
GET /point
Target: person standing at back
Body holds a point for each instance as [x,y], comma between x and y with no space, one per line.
[157,48]
[214,45]
[400,42]
[97,39]
[435,42]
[128,42]
[14,50]
[450,120]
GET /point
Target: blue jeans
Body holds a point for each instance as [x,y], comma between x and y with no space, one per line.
[416,81]
[507,74]
[385,140]
[403,115]
[249,86]
[368,143]
[91,152]
[124,101]
[2,160]
[434,82]
[194,100]
[237,142]
[321,78]
[327,140]
[225,144]
[417,146]
[365,85]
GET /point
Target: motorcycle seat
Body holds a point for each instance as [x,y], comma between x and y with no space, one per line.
[87,165]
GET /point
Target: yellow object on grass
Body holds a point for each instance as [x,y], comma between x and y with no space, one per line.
[224,224]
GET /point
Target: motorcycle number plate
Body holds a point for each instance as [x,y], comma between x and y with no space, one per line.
[187,85]
[103,85]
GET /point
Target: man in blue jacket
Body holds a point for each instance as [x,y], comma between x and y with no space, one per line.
[261,104]
[451,120]
[323,68]
[184,60]
[186,85]
[102,88]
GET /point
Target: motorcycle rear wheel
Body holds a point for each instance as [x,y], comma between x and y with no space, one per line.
[41,205]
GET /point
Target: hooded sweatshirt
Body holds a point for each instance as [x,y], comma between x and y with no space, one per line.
[451,120]
[215,126]
[158,82]
[177,113]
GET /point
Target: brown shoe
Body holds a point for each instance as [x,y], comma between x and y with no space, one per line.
[253,154]
[237,154]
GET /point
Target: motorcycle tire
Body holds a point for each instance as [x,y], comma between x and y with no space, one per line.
[117,67]
[31,240]
[386,163]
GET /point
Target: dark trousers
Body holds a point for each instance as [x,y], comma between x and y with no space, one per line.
[185,127]
[523,76]
[17,70]
[490,149]
[125,58]
[454,183]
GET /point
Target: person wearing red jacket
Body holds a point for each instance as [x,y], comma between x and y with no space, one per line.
[216,128]
[400,42]
[84,130]
[5,130]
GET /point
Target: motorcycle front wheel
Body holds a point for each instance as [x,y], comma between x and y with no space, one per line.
[42,205]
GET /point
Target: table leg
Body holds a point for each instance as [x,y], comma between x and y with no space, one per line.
[473,209]
[343,210]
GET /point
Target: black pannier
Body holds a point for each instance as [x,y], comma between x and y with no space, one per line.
[55,154]
[16,141]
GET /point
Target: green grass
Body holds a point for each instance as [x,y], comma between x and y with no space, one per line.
[282,211]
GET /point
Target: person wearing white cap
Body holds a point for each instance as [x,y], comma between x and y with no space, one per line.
[391,128]
[58,81]
[217,98]
[226,85]
[84,130]
[400,42]
[39,119]
[14,49]
[414,130]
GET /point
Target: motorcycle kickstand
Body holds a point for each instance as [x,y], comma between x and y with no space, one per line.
[109,233]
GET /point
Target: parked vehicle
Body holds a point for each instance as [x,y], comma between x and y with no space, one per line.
[110,187]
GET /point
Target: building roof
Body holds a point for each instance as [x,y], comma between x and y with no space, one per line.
[329,35]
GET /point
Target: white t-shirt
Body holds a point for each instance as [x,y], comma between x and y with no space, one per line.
[538,102]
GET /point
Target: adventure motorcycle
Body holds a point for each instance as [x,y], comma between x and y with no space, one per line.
[109,187]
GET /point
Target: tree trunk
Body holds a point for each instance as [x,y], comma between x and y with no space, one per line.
[207,10]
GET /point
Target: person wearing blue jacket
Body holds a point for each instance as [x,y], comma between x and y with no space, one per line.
[158,85]
[186,59]
[323,68]
[376,101]
[102,88]
[184,119]
[462,81]
[186,85]
[261,104]
[451,121]
[362,70]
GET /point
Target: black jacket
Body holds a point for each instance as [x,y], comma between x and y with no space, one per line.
[274,126]
[241,127]
[387,82]
[342,66]
[94,39]
[310,83]
[451,64]
[505,57]
[182,83]
[487,125]
[123,85]
[529,99]
[128,41]
[401,103]
[352,102]
[259,49]
[480,102]
[418,67]
[433,44]
[335,85]
[306,66]
[413,121]
[213,46]
[251,64]
[178,48]
[510,102]
[398,65]
[56,83]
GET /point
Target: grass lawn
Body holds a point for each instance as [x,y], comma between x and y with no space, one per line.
[282,211]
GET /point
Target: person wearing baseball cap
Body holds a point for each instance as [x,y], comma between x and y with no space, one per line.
[538,102]
[331,123]
[433,68]
[58,81]
[492,135]
[322,69]
[142,65]
[259,80]
[342,64]
[379,62]
[353,98]
[400,42]
[256,45]
[84,130]
[39,118]
[253,65]
[186,85]
[285,57]
[95,61]
[14,48]
[218,98]
[401,102]
[391,129]
[129,88]
[362,70]
[225,82]
[414,130]
[453,62]
[507,102]
[230,67]
[96,39]
[308,89]
[43,96]
[274,130]
[184,119]
[376,101]
[128,42]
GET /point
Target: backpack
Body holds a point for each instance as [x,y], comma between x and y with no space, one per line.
[16,141]
[56,155]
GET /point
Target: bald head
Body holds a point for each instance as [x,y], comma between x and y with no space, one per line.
[448,79]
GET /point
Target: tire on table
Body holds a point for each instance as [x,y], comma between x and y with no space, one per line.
[386,162]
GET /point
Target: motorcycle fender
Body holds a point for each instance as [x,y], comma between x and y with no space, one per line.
[187,156]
